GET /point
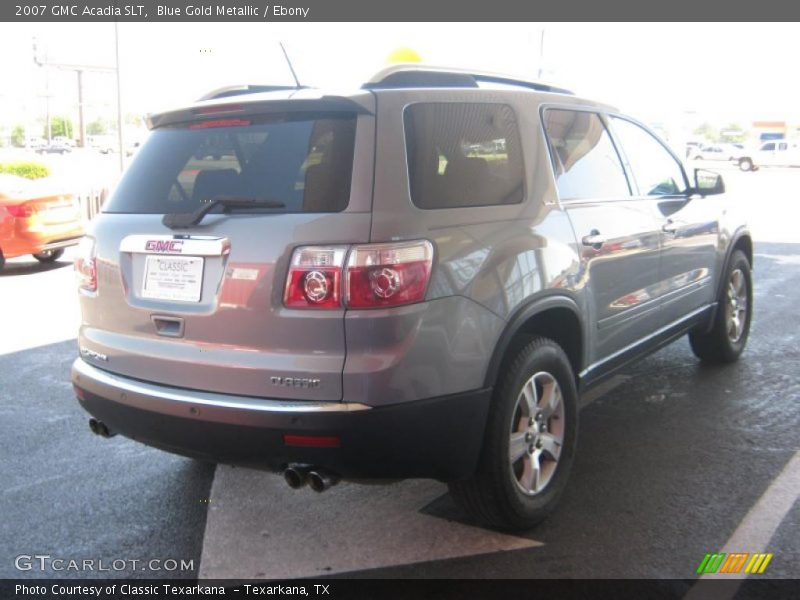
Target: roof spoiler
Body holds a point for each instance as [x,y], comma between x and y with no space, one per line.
[229,108]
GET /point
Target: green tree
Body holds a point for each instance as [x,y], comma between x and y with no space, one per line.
[733,133]
[18,136]
[133,119]
[60,126]
[97,127]
[707,131]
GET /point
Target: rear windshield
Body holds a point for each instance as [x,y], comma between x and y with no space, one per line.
[305,162]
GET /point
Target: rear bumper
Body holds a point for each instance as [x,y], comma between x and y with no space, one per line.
[437,438]
[20,246]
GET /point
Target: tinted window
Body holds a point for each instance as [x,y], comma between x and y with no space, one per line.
[782,146]
[585,163]
[770,146]
[302,161]
[463,155]
[656,171]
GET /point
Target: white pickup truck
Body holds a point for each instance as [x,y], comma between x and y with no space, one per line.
[774,153]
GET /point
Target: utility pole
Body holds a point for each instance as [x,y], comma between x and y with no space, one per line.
[119,98]
[80,70]
[541,55]
[81,123]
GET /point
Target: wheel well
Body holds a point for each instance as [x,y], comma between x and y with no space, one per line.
[558,324]
[745,244]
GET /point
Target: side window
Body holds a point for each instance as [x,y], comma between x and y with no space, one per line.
[656,171]
[463,154]
[768,147]
[783,146]
[585,163]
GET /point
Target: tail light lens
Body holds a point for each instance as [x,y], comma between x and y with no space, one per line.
[376,275]
[315,277]
[388,274]
[20,211]
[86,265]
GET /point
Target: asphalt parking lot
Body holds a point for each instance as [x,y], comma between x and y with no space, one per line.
[675,460]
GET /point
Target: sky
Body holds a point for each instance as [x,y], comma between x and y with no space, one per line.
[661,73]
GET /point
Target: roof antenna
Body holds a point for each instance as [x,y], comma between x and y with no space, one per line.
[291,68]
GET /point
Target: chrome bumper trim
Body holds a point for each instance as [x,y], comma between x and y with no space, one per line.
[150,396]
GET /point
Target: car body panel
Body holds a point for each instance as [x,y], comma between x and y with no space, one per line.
[494,269]
[54,221]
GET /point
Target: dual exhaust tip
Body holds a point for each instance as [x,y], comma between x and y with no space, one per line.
[319,480]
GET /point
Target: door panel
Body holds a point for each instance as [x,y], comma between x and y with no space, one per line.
[618,237]
[688,227]
[622,273]
[690,234]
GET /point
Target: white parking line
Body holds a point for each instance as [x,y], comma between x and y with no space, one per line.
[755,531]
[258,527]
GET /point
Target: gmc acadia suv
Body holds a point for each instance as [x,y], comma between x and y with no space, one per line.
[414,279]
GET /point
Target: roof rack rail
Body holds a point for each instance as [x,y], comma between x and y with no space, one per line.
[417,75]
[238,90]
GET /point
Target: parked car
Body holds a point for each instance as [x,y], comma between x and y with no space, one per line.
[54,147]
[342,286]
[105,144]
[34,143]
[36,219]
[774,153]
[726,152]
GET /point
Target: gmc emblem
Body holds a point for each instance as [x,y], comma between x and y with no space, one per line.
[175,246]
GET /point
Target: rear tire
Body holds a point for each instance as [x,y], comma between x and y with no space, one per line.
[49,256]
[745,164]
[529,444]
[726,340]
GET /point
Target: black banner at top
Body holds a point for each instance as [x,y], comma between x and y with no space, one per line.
[404,10]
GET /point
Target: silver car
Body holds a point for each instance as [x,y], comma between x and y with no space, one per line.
[413,279]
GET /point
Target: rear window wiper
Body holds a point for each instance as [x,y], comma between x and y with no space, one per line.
[185,220]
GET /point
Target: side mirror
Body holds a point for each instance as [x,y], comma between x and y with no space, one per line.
[708,183]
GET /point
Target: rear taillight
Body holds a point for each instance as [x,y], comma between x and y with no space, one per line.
[376,275]
[86,265]
[315,277]
[388,274]
[20,211]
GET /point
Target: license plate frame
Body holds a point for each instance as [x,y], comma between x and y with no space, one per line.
[181,282]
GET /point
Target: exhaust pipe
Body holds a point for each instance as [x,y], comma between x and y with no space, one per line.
[322,480]
[296,476]
[100,428]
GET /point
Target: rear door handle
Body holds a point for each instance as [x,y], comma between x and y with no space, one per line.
[594,239]
[670,227]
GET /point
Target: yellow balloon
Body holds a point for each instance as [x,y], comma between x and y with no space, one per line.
[403,55]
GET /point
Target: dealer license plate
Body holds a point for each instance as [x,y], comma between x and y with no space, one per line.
[173,278]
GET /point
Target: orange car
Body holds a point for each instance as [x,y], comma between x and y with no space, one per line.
[36,219]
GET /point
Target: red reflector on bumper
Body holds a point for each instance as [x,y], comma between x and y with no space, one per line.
[313,441]
[78,392]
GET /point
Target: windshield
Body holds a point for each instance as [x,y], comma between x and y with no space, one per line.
[303,161]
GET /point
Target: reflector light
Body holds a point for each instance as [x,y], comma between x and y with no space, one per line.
[220,123]
[20,211]
[312,441]
[86,265]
